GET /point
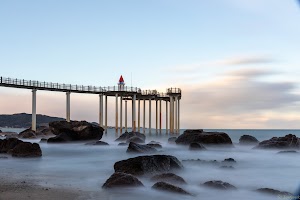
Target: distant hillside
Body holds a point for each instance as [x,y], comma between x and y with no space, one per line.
[23,120]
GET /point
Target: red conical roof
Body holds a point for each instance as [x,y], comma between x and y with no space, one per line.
[121,80]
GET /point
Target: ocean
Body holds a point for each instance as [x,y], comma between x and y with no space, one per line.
[86,168]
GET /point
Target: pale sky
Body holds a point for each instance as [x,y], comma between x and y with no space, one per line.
[237,61]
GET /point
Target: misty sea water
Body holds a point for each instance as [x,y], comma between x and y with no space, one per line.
[86,168]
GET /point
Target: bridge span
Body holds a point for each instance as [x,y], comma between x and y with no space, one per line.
[171,97]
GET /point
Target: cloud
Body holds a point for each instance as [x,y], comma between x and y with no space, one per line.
[231,61]
[237,99]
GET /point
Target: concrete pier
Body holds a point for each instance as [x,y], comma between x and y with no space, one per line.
[134,94]
[33,125]
[68,105]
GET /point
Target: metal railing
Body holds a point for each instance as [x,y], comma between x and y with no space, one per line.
[173,91]
[64,87]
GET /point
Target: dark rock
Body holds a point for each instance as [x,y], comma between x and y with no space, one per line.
[3,157]
[138,148]
[74,131]
[172,140]
[287,152]
[127,135]
[156,145]
[229,160]
[10,134]
[135,139]
[226,167]
[97,143]
[119,179]
[163,186]
[27,134]
[8,144]
[43,140]
[248,139]
[199,136]
[273,192]
[26,149]
[169,177]
[196,146]
[287,142]
[199,161]
[142,165]
[0,131]
[122,144]
[219,185]
[44,131]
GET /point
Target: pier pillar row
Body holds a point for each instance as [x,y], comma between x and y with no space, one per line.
[134,113]
[101,110]
[33,115]
[144,117]
[105,113]
[159,116]
[171,114]
[116,114]
[156,116]
[68,113]
[150,116]
[126,128]
[176,115]
[167,120]
[139,115]
[121,114]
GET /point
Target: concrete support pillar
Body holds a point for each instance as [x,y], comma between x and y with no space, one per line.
[171,115]
[156,116]
[176,115]
[68,110]
[167,120]
[101,110]
[139,115]
[150,116]
[105,113]
[159,116]
[121,114]
[144,117]
[117,117]
[134,113]
[33,115]
[126,127]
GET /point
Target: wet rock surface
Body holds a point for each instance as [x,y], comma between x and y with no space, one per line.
[287,142]
[74,131]
[163,186]
[143,165]
[154,144]
[125,137]
[248,140]
[220,185]
[199,136]
[196,146]
[18,148]
[169,178]
[119,179]
[138,148]
[273,192]
[27,134]
[98,143]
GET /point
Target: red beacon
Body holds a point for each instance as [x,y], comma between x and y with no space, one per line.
[121,84]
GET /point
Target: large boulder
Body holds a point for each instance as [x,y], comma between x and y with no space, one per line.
[26,149]
[125,137]
[27,134]
[119,179]
[196,146]
[219,185]
[74,131]
[287,142]
[271,191]
[169,177]
[8,144]
[199,136]
[18,148]
[135,139]
[248,139]
[44,131]
[154,144]
[138,148]
[143,165]
[163,186]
